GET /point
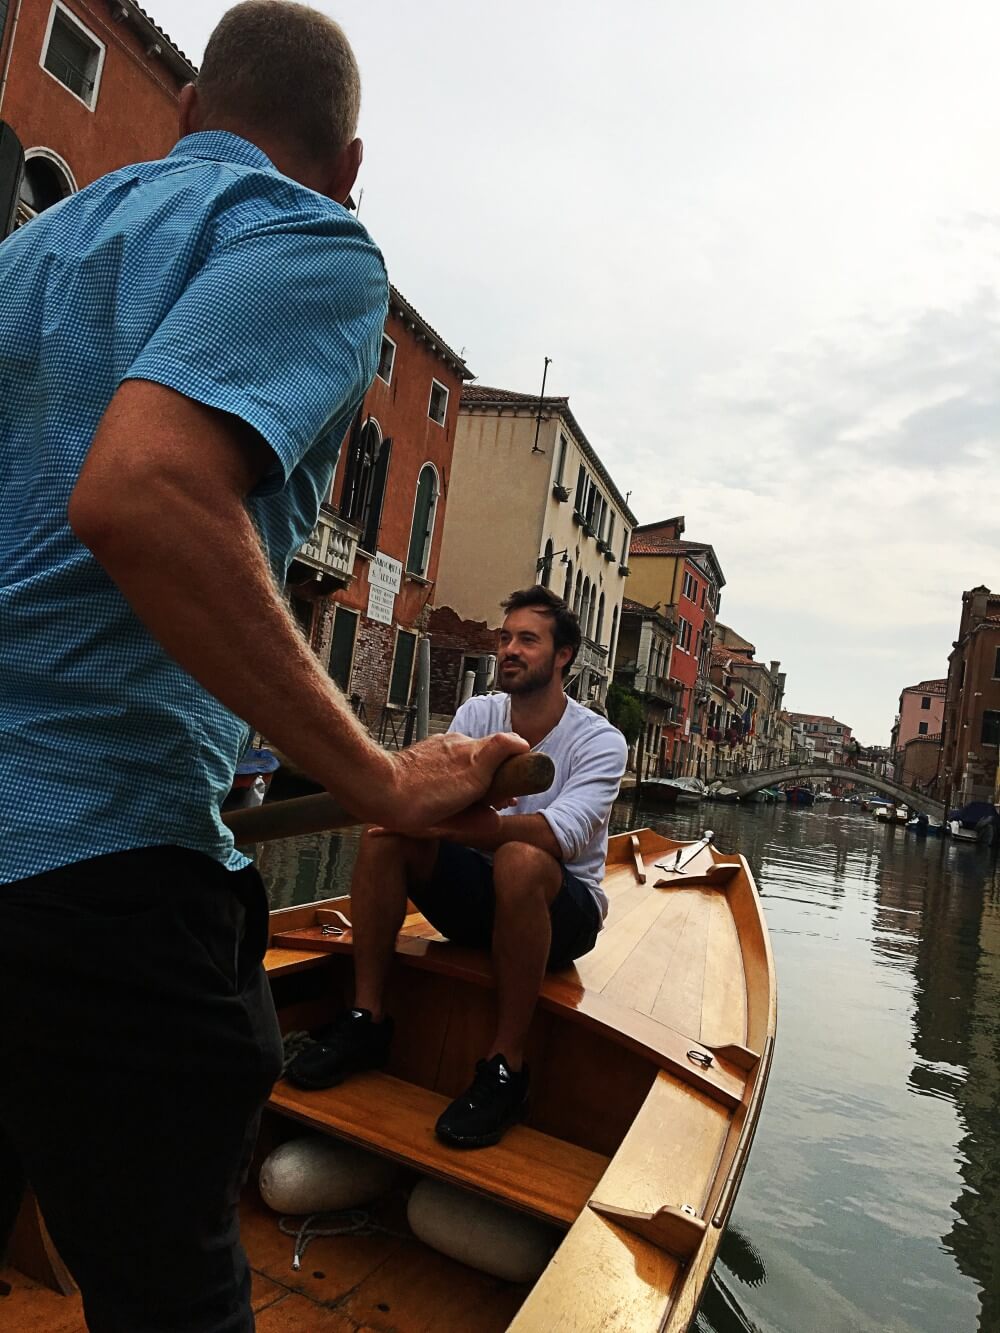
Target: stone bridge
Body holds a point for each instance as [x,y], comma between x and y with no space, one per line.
[745,783]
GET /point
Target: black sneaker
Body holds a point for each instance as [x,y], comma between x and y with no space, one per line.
[497,1099]
[353,1043]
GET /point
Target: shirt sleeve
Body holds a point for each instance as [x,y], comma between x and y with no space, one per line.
[471,719]
[281,326]
[584,804]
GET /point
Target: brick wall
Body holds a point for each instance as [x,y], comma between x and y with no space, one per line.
[134,118]
[452,640]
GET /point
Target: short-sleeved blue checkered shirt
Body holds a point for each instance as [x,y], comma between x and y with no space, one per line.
[213,274]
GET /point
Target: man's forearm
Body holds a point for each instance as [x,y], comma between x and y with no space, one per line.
[199,582]
[532,829]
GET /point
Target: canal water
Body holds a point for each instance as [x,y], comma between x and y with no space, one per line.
[871,1203]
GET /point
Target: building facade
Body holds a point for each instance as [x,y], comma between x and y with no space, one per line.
[921,712]
[829,740]
[87,89]
[684,580]
[361,586]
[971,723]
[642,665]
[529,501]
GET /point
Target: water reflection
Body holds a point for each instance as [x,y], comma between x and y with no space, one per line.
[872,1199]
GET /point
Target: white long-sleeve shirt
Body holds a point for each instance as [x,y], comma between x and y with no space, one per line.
[589,755]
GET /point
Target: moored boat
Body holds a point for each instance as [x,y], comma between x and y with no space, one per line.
[649,1063]
[799,796]
[673,791]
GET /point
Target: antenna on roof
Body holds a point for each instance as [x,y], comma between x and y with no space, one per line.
[538,420]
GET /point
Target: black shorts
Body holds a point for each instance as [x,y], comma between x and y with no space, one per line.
[459,901]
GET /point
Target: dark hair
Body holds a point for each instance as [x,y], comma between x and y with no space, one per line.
[273,65]
[566,623]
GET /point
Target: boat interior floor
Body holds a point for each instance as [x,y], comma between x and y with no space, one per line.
[387,1281]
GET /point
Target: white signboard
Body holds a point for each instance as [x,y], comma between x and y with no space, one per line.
[380,604]
[384,572]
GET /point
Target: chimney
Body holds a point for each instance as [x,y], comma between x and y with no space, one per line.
[978,602]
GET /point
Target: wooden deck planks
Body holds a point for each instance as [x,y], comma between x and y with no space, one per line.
[724,1009]
[678,1000]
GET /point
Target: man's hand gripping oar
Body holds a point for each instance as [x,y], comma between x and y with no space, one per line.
[497,771]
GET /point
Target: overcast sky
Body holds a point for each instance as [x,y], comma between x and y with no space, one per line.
[760,243]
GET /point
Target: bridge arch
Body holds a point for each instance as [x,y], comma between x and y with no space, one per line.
[745,783]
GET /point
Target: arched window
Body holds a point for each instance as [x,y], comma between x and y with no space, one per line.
[568,585]
[582,605]
[546,577]
[365,477]
[613,641]
[591,604]
[600,619]
[46,180]
[418,558]
[578,592]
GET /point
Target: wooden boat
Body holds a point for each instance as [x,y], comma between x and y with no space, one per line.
[649,1064]
[799,796]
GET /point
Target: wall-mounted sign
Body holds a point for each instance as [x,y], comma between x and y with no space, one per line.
[380,604]
[385,572]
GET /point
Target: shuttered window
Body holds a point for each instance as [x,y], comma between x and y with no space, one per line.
[402,668]
[418,557]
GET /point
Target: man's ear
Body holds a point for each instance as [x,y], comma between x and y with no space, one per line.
[564,656]
[188,111]
[344,171]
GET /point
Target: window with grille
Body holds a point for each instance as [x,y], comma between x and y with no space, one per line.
[437,407]
[386,359]
[73,56]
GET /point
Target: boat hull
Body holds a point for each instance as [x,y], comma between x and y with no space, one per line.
[649,1064]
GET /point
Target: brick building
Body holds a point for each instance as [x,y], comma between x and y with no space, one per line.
[921,710]
[971,723]
[360,587]
[86,88]
[685,581]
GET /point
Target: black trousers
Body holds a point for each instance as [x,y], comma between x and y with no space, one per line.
[138,1043]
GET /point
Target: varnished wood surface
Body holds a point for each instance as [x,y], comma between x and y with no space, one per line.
[531,1171]
[682,967]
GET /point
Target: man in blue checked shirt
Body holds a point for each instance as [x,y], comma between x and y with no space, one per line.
[182,346]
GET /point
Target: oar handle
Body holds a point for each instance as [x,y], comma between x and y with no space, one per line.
[522,775]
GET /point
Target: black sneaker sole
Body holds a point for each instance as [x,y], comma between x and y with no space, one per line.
[483,1140]
[309,1084]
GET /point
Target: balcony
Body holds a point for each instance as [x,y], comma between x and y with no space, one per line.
[331,549]
[592,657]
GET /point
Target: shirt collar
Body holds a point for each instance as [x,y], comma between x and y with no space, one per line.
[221,146]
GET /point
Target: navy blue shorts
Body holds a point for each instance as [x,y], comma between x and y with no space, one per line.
[459,901]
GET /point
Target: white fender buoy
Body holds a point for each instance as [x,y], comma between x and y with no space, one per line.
[316,1174]
[480,1233]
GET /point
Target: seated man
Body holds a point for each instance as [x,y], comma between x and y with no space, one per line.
[523,881]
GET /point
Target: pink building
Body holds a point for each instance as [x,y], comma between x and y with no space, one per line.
[921,710]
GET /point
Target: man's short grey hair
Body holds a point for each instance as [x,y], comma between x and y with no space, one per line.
[284,69]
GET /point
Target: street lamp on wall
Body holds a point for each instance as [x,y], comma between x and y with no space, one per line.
[544,562]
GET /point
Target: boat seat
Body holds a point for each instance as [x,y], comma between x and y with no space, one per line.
[419,945]
[528,1170]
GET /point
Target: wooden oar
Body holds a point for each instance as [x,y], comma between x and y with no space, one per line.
[523,775]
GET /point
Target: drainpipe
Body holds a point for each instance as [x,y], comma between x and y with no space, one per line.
[10,51]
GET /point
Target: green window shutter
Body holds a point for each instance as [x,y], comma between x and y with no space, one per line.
[402,668]
[345,628]
[418,556]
